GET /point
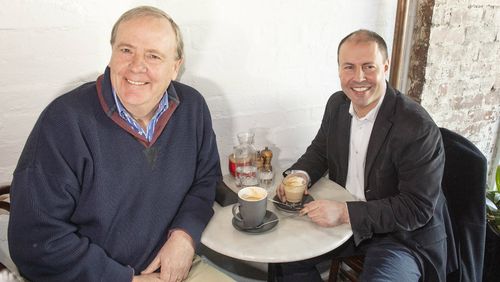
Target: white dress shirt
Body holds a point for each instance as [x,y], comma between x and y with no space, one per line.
[361,130]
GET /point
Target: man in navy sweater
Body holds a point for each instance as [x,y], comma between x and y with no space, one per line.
[117,179]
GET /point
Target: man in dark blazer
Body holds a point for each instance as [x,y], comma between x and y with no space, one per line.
[387,151]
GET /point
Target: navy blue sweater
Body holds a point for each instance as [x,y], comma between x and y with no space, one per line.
[91,200]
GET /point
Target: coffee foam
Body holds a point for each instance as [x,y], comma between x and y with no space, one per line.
[294,181]
[296,189]
[253,194]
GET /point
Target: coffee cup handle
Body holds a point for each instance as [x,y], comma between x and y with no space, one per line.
[234,212]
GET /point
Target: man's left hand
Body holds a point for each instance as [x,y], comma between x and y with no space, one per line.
[175,258]
[326,213]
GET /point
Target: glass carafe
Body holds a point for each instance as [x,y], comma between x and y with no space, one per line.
[245,160]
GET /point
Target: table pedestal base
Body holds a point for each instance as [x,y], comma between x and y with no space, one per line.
[272,272]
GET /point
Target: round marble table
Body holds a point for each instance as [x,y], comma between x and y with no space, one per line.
[294,238]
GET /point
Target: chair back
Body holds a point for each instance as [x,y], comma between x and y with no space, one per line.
[464,186]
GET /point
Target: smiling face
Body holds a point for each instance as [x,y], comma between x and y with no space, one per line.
[143,63]
[362,72]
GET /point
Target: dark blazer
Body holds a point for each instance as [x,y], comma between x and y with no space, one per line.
[403,171]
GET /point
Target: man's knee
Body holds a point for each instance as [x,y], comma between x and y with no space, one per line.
[391,262]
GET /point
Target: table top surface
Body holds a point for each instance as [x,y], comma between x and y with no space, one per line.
[294,238]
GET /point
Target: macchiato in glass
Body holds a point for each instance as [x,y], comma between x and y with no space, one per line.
[294,187]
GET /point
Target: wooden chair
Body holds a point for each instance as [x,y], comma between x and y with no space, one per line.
[5,205]
[348,268]
[464,187]
[4,190]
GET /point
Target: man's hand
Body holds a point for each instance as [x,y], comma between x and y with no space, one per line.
[175,258]
[280,190]
[326,213]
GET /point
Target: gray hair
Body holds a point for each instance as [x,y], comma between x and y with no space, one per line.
[143,11]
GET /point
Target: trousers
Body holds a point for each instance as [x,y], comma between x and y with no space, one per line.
[385,260]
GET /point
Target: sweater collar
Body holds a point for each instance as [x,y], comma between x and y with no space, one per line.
[106,99]
[105,91]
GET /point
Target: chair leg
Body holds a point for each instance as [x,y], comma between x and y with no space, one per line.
[334,270]
[3,191]
[355,263]
[346,268]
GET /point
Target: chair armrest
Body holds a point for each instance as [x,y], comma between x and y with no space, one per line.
[4,204]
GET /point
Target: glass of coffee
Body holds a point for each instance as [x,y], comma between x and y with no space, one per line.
[294,186]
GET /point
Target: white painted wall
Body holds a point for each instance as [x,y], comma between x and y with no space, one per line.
[263,65]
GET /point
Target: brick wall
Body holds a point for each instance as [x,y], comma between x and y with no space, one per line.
[462,76]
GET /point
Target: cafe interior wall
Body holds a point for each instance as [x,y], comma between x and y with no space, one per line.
[454,70]
[267,66]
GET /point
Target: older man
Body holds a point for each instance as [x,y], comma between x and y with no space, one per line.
[118,176]
[386,150]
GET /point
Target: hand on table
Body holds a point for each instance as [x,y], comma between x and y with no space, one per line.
[174,259]
[326,213]
[280,190]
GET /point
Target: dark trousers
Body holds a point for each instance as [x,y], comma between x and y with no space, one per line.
[385,260]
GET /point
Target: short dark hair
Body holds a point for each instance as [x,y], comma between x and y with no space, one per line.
[364,35]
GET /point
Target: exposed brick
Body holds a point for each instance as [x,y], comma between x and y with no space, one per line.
[456,116]
[467,103]
[459,53]
[465,16]
[485,2]
[477,69]
[471,78]
[457,16]
[461,73]
[441,15]
[440,2]
[452,2]
[443,89]
[493,96]
[496,18]
[481,34]
[472,129]
[447,36]
[493,14]
[489,52]
[436,55]
[487,83]
[489,115]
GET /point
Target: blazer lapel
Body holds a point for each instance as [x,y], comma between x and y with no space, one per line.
[343,136]
[380,129]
